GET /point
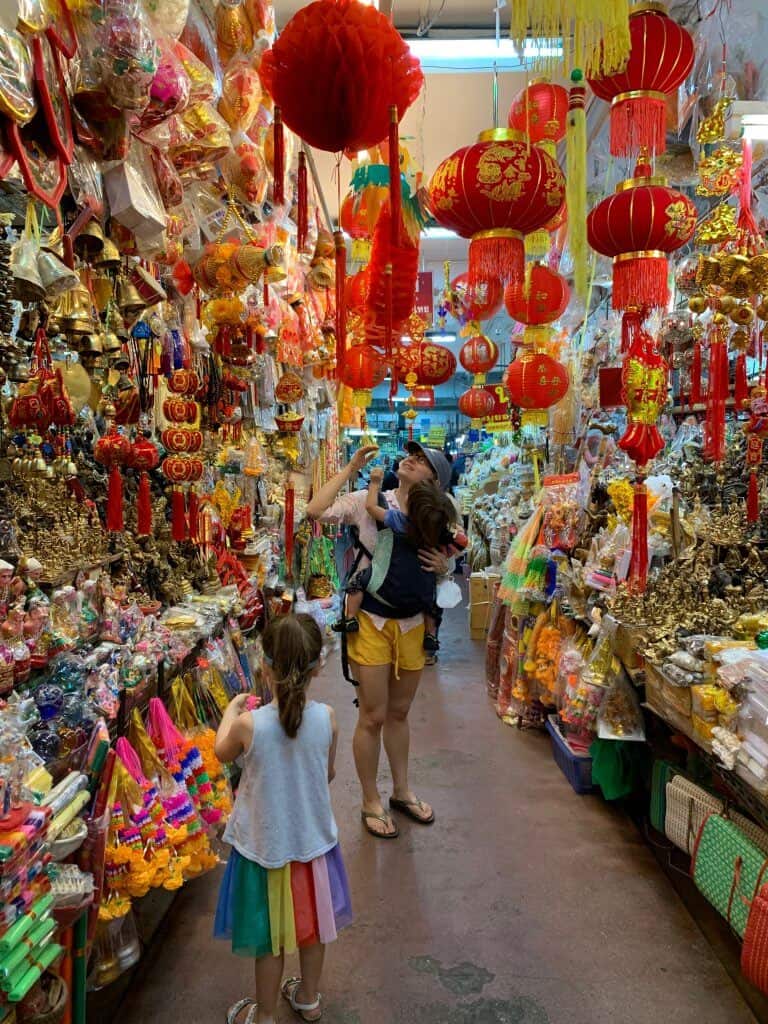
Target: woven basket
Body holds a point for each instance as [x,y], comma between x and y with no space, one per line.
[728,870]
[754,952]
[687,808]
[663,773]
[756,835]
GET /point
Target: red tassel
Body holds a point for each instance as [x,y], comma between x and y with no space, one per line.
[341,310]
[639,123]
[144,507]
[278,159]
[289,515]
[115,521]
[696,393]
[741,384]
[302,215]
[388,310]
[194,507]
[499,254]
[638,567]
[178,515]
[395,196]
[265,296]
[753,499]
[640,281]
[717,393]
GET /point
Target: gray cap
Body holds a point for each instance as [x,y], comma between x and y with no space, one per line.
[440,465]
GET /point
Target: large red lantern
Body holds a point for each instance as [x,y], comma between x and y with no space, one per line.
[639,226]
[476,403]
[335,70]
[541,298]
[535,381]
[393,270]
[660,58]
[425,364]
[478,355]
[480,301]
[356,292]
[353,217]
[540,111]
[495,192]
[364,368]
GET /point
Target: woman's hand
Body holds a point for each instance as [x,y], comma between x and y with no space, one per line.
[433,561]
[239,704]
[362,457]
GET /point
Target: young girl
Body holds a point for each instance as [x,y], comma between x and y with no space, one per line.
[401,583]
[285,886]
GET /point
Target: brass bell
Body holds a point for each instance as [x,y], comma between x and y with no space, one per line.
[91,344]
[75,311]
[109,259]
[54,243]
[90,242]
[56,276]
[101,284]
[128,299]
[697,304]
[111,342]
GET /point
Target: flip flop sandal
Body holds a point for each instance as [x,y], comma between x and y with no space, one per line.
[407,807]
[289,990]
[384,819]
[237,1008]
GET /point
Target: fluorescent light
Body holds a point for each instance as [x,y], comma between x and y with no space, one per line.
[754,127]
[438,233]
[477,54]
[436,335]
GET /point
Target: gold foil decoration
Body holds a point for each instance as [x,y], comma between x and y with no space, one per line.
[719,227]
[719,172]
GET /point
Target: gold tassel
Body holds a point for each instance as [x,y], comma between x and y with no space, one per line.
[576,182]
[594,36]
[537,244]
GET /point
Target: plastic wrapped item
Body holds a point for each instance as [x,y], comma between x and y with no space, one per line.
[234,34]
[133,196]
[170,89]
[240,95]
[128,53]
[562,509]
[620,716]
[202,82]
[246,171]
[199,138]
[167,177]
[17,98]
[85,181]
[167,17]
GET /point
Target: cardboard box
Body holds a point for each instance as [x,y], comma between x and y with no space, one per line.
[482,589]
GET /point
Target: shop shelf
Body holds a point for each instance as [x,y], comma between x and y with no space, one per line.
[577,768]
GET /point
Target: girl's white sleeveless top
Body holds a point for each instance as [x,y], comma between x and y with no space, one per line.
[283,807]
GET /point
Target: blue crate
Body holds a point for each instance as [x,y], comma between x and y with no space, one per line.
[577,768]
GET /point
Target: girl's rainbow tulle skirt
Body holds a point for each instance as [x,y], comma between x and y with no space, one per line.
[265,911]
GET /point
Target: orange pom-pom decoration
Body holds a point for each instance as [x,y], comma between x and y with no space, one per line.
[335,70]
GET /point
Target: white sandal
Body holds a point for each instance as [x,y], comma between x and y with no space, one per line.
[237,1008]
[289,990]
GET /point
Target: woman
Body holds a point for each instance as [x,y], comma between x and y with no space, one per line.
[386,655]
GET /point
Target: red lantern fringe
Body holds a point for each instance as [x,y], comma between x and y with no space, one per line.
[388,310]
[278,160]
[341,309]
[265,296]
[302,215]
[717,394]
[496,255]
[740,382]
[289,514]
[194,508]
[395,197]
[638,566]
[178,515]
[144,507]
[696,392]
[753,499]
[115,520]
[639,123]
[640,281]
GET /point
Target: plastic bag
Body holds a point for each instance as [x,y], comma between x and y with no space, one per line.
[240,95]
[17,98]
[170,89]
[620,716]
[128,54]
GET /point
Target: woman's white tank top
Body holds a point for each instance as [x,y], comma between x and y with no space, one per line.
[283,807]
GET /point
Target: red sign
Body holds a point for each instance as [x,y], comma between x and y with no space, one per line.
[424,299]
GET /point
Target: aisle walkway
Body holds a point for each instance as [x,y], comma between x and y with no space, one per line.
[524,904]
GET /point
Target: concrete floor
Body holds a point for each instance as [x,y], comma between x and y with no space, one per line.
[523,904]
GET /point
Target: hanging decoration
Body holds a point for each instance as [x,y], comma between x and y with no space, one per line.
[537,301]
[477,403]
[469,304]
[576,181]
[113,451]
[639,226]
[364,369]
[494,193]
[562,34]
[535,381]
[660,59]
[478,355]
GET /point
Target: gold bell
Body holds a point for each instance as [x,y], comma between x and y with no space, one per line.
[90,242]
[56,276]
[91,344]
[54,243]
[110,342]
[75,311]
[109,258]
[697,304]
[101,285]
[743,315]
[129,301]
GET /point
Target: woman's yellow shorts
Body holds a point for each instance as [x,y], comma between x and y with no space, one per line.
[387,646]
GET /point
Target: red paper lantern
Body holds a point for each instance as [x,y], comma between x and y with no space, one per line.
[356,292]
[476,403]
[425,364]
[404,261]
[661,56]
[354,217]
[480,301]
[364,368]
[540,299]
[335,70]
[178,440]
[535,381]
[479,354]
[540,111]
[639,226]
[422,398]
[144,454]
[495,192]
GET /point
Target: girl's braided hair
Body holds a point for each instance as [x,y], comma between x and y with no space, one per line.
[292,645]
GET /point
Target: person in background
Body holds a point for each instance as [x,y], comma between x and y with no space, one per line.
[386,655]
[282,830]
[390,481]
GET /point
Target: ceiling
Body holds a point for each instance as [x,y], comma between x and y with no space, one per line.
[408,15]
